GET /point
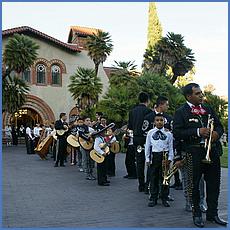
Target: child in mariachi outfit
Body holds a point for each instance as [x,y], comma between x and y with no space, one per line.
[158,140]
[101,167]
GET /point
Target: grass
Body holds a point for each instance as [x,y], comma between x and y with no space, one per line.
[224,158]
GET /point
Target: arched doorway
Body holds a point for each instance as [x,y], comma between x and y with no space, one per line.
[35,110]
[26,116]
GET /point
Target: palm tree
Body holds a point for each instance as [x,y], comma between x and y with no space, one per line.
[129,65]
[20,53]
[85,87]
[169,51]
[99,47]
[13,94]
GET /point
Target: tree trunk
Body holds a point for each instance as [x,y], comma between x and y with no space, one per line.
[96,68]
[173,79]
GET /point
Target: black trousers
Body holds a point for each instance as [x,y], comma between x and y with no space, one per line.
[130,163]
[140,160]
[73,156]
[101,172]
[61,146]
[211,176]
[110,164]
[29,145]
[156,179]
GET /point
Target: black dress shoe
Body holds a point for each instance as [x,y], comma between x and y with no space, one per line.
[126,176]
[104,184]
[152,203]
[165,203]
[198,221]
[62,165]
[217,220]
[56,165]
[179,187]
[107,181]
[141,189]
[132,177]
[203,208]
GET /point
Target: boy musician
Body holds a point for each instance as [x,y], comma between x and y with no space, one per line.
[158,141]
[61,144]
[88,163]
[101,167]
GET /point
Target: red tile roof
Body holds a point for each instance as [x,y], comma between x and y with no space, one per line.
[83,30]
[29,30]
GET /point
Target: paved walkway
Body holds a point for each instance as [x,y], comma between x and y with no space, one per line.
[35,194]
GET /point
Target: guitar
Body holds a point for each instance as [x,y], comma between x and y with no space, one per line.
[73,141]
[115,146]
[87,145]
[61,132]
[98,157]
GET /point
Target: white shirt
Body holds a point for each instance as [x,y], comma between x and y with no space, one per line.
[29,133]
[190,104]
[8,131]
[37,131]
[48,131]
[158,145]
[97,142]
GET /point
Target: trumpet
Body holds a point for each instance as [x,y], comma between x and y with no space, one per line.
[208,141]
[170,173]
[165,168]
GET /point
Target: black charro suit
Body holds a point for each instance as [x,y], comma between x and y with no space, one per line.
[61,143]
[185,127]
[136,118]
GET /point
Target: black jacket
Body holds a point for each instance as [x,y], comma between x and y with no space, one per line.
[59,125]
[136,118]
[185,125]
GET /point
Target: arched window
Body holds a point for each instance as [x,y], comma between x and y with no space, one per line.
[56,75]
[26,75]
[41,74]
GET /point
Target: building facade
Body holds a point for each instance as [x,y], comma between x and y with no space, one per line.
[50,75]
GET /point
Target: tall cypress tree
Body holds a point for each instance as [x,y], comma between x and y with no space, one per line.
[154,25]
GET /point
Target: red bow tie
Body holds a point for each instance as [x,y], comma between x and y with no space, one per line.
[198,110]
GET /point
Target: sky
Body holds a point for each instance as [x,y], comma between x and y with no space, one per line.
[203,25]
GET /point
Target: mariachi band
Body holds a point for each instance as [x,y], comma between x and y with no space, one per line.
[157,148]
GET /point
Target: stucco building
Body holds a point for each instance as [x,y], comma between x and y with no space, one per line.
[50,74]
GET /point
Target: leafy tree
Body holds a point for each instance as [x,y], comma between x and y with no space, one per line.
[169,51]
[85,87]
[122,93]
[218,104]
[156,85]
[154,26]
[118,101]
[209,88]
[99,47]
[124,74]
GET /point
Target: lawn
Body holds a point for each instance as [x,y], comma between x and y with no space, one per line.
[224,158]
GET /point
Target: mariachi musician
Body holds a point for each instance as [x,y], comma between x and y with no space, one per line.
[61,145]
[130,161]
[29,137]
[85,132]
[199,129]
[100,141]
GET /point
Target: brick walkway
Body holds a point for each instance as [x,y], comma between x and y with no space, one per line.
[35,194]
